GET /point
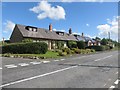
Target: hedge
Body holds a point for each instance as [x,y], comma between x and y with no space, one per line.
[96,48]
[25,48]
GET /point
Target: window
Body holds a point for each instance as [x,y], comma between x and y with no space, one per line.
[30,29]
[34,29]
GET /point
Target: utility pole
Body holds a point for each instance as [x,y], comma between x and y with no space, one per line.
[109,35]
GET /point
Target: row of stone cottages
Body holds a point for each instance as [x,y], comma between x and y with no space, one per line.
[22,32]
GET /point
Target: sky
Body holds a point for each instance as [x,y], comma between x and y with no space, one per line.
[91,18]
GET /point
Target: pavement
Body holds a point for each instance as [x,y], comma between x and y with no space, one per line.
[82,71]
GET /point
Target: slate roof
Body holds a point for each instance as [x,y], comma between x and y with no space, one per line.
[44,34]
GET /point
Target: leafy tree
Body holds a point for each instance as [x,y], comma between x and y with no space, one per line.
[104,41]
[97,38]
[81,44]
[71,44]
[60,44]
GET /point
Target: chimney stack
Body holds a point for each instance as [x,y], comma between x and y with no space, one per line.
[70,31]
[50,27]
[82,34]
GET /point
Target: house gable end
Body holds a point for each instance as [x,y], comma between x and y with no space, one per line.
[16,35]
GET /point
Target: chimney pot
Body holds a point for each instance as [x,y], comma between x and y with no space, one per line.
[70,31]
[50,27]
[82,34]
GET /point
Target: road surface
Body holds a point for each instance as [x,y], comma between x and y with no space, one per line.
[82,71]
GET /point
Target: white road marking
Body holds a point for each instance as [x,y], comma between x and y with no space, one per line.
[62,59]
[23,64]
[45,61]
[39,76]
[109,79]
[56,60]
[116,73]
[0,68]
[103,58]
[105,85]
[34,63]
[112,87]
[116,82]
[10,66]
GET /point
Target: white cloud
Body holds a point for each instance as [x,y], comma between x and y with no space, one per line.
[45,10]
[9,26]
[87,35]
[111,26]
[87,25]
[89,0]
[58,30]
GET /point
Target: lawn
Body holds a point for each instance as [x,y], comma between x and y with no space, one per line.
[49,54]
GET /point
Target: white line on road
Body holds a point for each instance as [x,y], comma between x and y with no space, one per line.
[34,63]
[109,79]
[62,59]
[0,68]
[116,82]
[116,73]
[103,58]
[45,61]
[10,66]
[23,64]
[112,87]
[56,60]
[31,78]
[105,85]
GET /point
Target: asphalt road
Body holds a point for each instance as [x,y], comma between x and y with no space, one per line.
[85,71]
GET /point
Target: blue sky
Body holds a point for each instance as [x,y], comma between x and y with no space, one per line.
[93,19]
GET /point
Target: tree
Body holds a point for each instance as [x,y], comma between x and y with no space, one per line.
[104,41]
[97,38]
[81,44]
[71,44]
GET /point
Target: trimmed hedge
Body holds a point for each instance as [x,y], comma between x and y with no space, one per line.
[25,48]
[96,48]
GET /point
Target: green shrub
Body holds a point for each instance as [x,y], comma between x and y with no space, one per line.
[71,44]
[67,50]
[72,52]
[25,48]
[77,51]
[92,50]
[27,40]
[81,44]
[106,47]
[88,51]
[62,53]
[96,48]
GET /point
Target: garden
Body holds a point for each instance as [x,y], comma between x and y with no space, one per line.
[39,50]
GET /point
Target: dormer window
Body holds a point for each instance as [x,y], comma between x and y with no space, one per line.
[34,29]
[60,33]
[30,28]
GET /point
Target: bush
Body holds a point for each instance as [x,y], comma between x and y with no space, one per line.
[81,45]
[88,51]
[25,48]
[96,48]
[106,47]
[62,53]
[67,50]
[77,51]
[92,50]
[71,44]
[27,40]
